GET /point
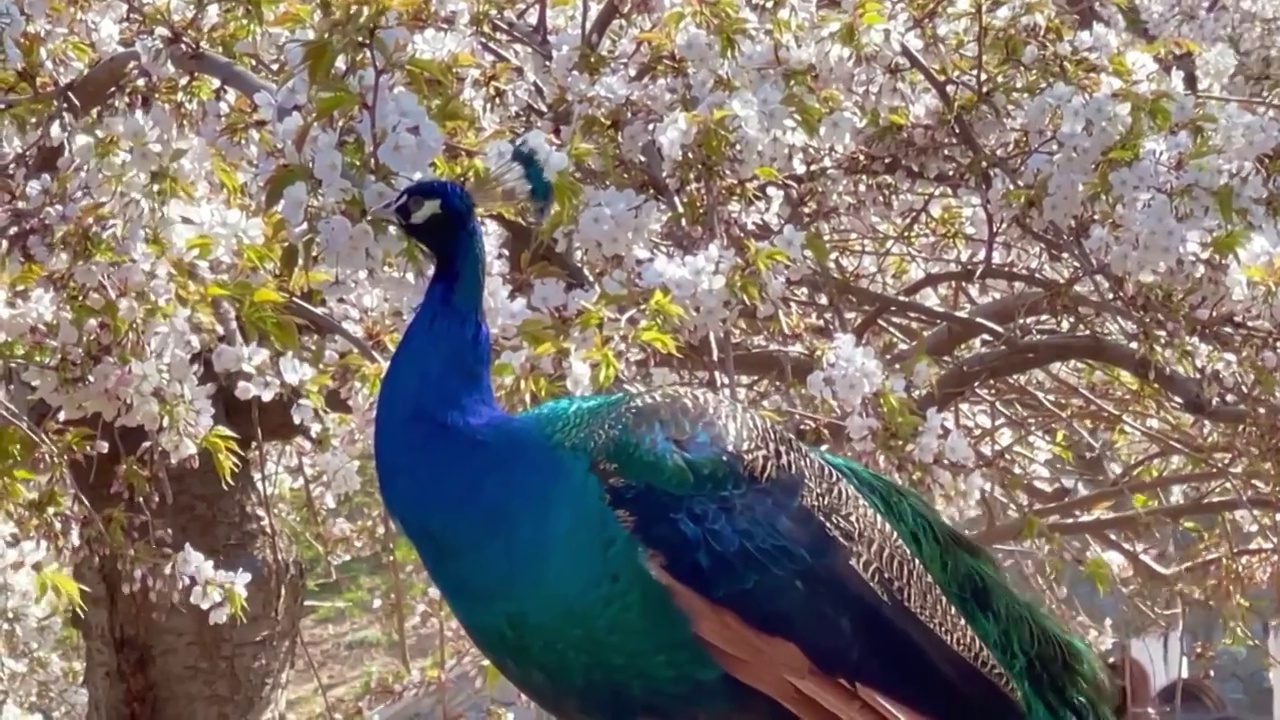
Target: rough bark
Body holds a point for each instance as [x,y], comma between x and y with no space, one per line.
[149,657]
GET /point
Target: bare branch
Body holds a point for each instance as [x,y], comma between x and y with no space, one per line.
[776,363]
[523,245]
[1030,355]
[933,280]
[1127,520]
[1128,490]
[975,325]
[321,320]
[209,64]
[961,125]
[92,90]
[948,337]
[608,14]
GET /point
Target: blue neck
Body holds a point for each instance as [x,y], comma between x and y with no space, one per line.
[446,345]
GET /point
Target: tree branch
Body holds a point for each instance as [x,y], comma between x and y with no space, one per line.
[948,337]
[975,325]
[933,280]
[225,70]
[958,121]
[595,35]
[325,323]
[1127,520]
[524,246]
[93,89]
[1026,356]
[1125,490]
[778,363]
[102,81]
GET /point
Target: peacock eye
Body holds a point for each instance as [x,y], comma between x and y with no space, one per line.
[420,208]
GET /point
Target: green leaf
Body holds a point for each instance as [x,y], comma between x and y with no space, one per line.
[63,587]
[332,103]
[319,57]
[282,178]
[221,444]
[768,173]
[226,176]
[1030,527]
[1123,153]
[767,256]
[606,367]
[1099,571]
[1227,244]
[267,295]
[658,340]
[661,303]
[492,676]
[1224,197]
[284,333]
[1161,115]
[200,244]
[817,246]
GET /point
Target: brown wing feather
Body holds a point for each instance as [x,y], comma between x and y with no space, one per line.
[774,666]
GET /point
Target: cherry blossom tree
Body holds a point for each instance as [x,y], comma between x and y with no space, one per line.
[1022,256]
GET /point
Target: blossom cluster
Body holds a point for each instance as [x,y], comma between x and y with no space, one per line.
[220,592]
[34,670]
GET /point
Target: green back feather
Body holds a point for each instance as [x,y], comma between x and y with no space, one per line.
[1057,674]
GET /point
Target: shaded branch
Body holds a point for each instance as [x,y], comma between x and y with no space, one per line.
[1127,490]
[778,363]
[948,337]
[524,246]
[975,325]
[536,41]
[959,123]
[1030,355]
[326,324]
[609,12]
[102,81]
[1013,528]
[1127,520]
[89,91]
[933,280]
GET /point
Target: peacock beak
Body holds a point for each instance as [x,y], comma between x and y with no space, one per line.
[386,211]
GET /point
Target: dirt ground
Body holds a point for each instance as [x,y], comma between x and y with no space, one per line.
[351,650]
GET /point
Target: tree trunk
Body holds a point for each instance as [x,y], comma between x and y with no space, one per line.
[149,656]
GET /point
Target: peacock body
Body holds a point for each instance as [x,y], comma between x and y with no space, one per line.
[672,554]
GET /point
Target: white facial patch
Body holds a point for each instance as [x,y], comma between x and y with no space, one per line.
[420,209]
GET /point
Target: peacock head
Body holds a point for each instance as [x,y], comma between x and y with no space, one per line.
[433,212]
[437,213]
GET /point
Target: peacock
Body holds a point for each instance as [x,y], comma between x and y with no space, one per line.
[670,553]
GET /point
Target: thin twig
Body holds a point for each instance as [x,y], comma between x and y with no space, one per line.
[609,12]
[315,674]
[323,321]
[397,590]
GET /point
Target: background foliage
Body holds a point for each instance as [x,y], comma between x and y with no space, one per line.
[1021,255]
